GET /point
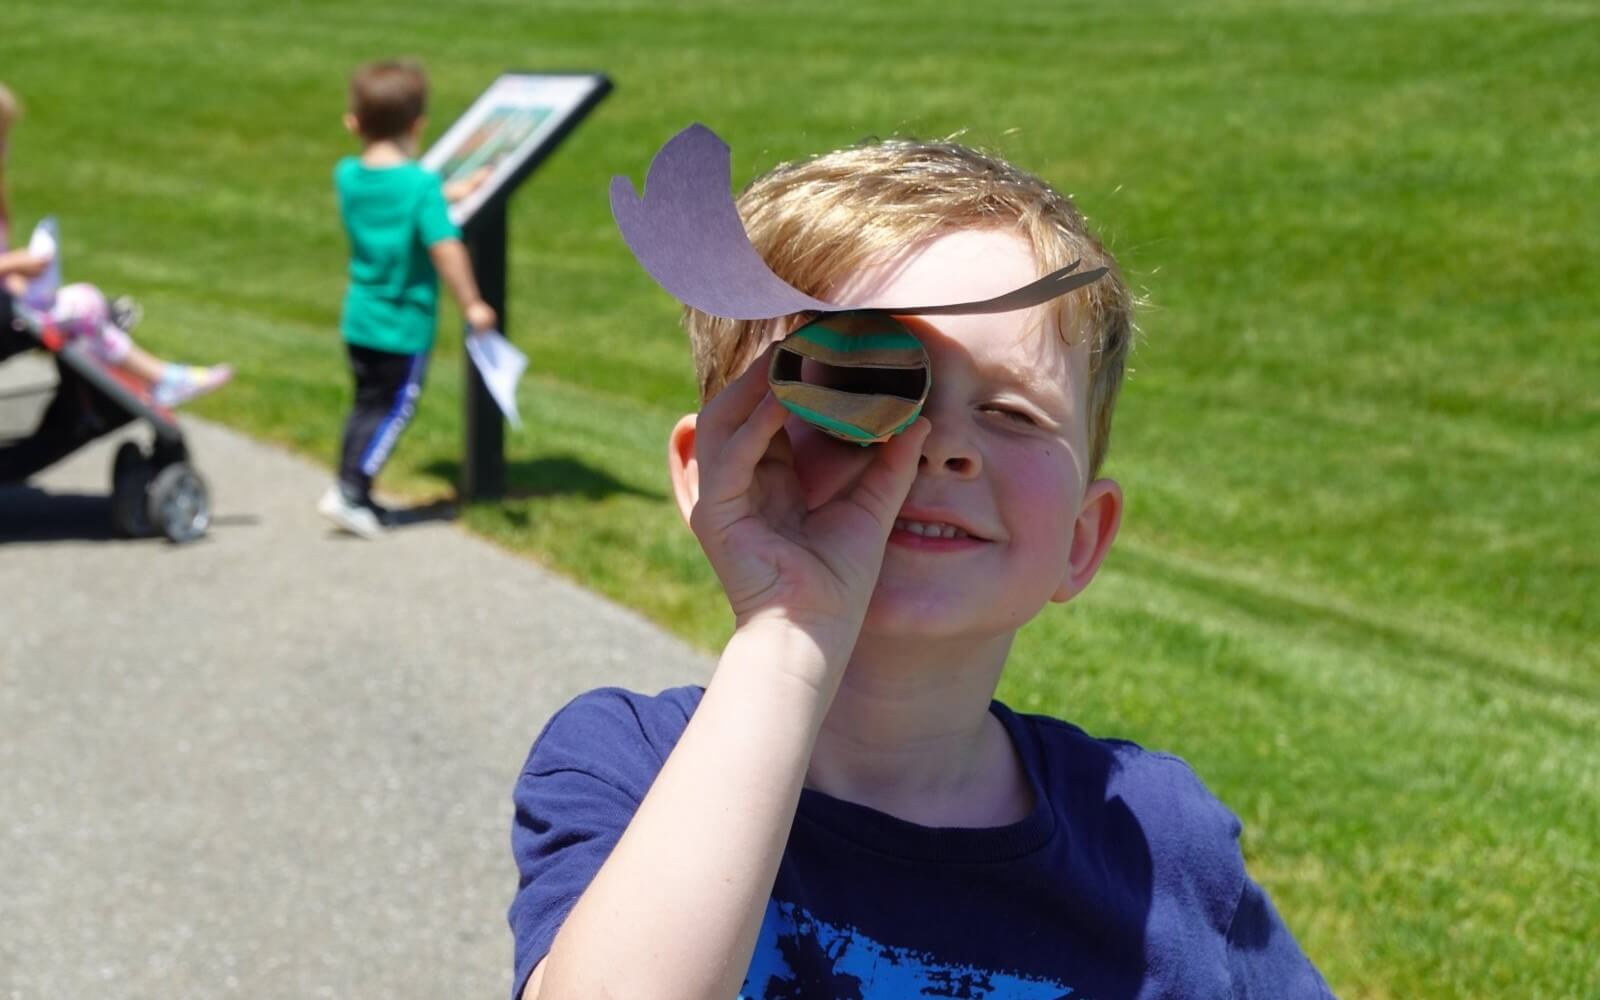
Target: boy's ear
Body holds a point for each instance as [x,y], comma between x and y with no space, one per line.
[351,125]
[1092,534]
[685,471]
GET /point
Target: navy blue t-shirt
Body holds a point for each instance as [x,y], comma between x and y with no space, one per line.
[1125,881]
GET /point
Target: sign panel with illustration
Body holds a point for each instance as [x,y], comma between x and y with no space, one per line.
[505,133]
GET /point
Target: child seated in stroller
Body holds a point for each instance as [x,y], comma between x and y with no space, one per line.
[82,313]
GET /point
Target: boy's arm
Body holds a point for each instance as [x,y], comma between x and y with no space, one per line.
[676,908]
[450,259]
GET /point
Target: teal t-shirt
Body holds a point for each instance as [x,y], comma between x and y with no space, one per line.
[392,215]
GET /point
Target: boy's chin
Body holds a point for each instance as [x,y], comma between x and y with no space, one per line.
[898,615]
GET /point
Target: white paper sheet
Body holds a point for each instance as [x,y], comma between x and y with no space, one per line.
[501,365]
[45,242]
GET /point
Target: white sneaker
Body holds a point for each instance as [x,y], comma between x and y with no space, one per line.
[351,517]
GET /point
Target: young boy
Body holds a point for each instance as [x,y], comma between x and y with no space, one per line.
[844,811]
[401,242]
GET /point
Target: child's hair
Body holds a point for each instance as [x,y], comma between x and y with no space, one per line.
[387,98]
[816,221]
[10,111]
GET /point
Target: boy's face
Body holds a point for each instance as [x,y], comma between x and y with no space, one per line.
[1005,464]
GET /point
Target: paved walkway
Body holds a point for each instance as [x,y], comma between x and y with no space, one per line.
[276,763]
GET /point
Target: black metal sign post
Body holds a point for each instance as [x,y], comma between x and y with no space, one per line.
[508,131]
[483,466]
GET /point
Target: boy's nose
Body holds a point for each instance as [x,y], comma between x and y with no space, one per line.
[948,451]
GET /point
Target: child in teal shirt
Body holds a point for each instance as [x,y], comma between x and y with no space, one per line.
[401,242]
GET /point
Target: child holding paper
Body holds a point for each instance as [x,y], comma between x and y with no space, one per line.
[845,811]
[397,219]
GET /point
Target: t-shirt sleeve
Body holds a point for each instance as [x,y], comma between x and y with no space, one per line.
[1194,843]
[1263,958]
[433,214]
[583,780]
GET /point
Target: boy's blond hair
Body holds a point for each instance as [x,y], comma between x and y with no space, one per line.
[816,221]
[387,98]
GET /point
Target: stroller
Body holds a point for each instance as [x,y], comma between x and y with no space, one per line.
[153,490]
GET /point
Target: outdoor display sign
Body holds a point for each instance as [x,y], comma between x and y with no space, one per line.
[487,153]
[512,126]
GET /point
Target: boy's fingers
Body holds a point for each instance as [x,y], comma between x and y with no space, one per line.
[883,487]
[735,465]
[721,418]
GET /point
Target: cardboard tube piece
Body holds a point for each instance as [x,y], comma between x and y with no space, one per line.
[859,376]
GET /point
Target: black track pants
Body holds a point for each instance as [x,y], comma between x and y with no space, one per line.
[387,388]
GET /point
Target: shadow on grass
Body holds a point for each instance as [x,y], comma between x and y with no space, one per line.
[557,475]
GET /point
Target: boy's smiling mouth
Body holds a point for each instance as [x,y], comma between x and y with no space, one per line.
[929,529]
[926,529]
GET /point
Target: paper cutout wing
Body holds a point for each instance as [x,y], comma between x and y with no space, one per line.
[686,232]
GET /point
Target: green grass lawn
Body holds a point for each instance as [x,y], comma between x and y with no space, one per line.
[1358,584]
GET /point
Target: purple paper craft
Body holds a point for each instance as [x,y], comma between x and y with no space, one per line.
[687,234]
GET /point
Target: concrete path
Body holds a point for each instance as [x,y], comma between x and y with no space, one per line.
[276,763]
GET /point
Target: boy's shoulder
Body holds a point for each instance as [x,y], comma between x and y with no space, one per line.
[613,733]
[351,172]
[1078,754]
[346,170]
[1081,774]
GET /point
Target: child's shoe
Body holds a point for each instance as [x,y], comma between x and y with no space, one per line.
[181,383]
[348,515]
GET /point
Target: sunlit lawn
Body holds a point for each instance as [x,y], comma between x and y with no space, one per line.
[1358,582]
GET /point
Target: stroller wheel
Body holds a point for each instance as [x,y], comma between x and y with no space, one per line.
[179,503]
[130,478]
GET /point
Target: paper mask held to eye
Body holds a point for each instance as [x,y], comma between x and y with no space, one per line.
[857,374]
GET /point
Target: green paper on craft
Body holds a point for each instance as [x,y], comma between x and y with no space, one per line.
[860,376]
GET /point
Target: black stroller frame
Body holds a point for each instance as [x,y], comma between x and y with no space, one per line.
[154,490]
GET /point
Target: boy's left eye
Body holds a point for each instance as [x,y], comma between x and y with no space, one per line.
[1013,414]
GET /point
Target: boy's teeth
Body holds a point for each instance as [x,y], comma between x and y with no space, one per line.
[929,529]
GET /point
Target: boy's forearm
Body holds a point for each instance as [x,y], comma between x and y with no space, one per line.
[451,260]
[676,908]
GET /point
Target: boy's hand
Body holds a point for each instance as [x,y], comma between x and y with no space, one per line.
[457,190]
[480,316]
[777,560]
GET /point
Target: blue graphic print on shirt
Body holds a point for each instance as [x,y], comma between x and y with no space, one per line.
[798,955]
